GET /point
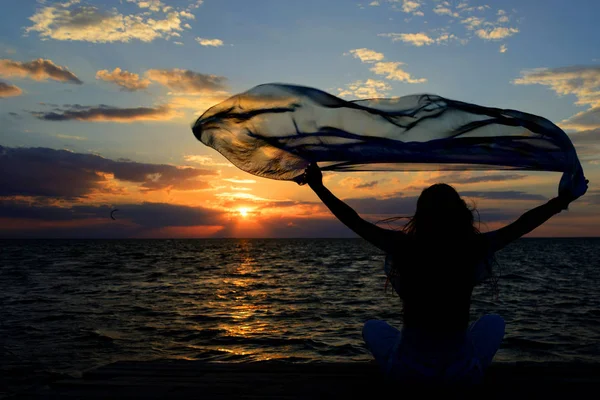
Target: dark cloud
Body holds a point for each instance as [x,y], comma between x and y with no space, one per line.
[305,228]
[158,215]
[591,136]
[132,219]
[8,90]
[13,114]
[405,206]
[457,178]
[591,197]
[107,113]
[503,195]
[488,215]
[397,205]
[366,185]
[64,174]
[38,70]
[588,119]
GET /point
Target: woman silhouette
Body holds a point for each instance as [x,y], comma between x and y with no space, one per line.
[433,265]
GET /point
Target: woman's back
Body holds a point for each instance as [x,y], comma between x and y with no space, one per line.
[435,281]
[433,265]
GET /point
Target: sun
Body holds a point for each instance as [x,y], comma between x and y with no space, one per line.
[243,212]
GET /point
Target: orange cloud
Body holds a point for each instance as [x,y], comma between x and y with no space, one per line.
[50,173]
[39,70]
[187,81]
[8,90]
[103,113]
[125,79]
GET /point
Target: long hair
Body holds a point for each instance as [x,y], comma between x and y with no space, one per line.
[443,220]
[441,212]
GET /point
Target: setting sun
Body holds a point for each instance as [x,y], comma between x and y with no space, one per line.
[243,212]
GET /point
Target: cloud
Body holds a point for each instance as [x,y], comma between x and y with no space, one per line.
[43,220]
[496,33]
[158,215]
[198,103]
[64,174]
[152,5]
[587,144]
[581,81]
[444,38]
[187,15]
[369,89]
[295,227]
[397,205]
[70,137]
[8,90]
[209,42]
[421,38]
[460,179]
[589,119]
[237,180]
[38,70]
[126,80]
[187,81]
[503,49]
[62,21]
[374,3]
[205,160]
[474,8]
[411,6]
[104,113]
[392,71]
[494,29]
[503,195]
[588,137]
[472,23]
[367,55]
[443,10]
[367,185]
[592,197]
[416,39]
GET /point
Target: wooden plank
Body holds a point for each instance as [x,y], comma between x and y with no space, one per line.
[188,379]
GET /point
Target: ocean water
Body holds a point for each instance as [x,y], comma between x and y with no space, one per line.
[69,305]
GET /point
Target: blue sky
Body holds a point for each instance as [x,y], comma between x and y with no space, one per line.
[125,80]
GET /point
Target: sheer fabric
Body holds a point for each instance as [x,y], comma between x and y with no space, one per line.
[276,130]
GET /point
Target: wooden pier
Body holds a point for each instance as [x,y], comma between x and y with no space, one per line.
[177,379]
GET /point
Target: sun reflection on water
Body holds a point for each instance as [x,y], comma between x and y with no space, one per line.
[245,306]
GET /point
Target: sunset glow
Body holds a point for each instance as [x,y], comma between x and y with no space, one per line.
[96,111]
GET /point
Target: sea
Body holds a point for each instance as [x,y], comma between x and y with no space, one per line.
[70,305]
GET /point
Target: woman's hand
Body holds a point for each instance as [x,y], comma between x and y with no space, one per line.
[570,189]
[312,175]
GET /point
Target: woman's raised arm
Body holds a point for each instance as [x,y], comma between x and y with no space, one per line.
[384,239]
[537,216]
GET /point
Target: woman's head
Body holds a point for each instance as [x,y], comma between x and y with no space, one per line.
[441,212]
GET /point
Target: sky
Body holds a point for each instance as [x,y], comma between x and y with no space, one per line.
[97,100]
